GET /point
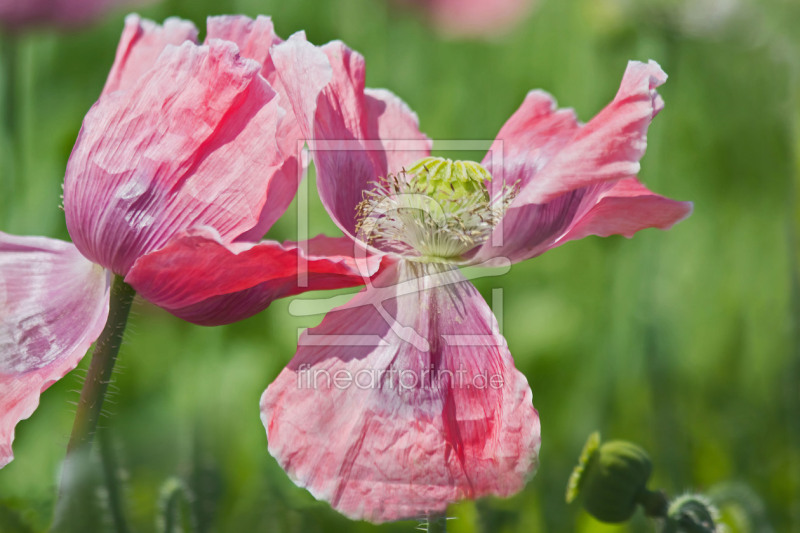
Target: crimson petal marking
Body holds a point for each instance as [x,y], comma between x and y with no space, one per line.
[417,427]
[201,279]
[53,305]
[141,43]
[191,144]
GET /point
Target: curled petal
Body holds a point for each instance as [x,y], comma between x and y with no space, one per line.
[191,144]
[563,169]
[203,280]
[608,147]
[296,69]
[53,305]
[404,400]
[141,43]
[254,37]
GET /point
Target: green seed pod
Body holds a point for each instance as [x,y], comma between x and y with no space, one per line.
[611,480]
[446,180]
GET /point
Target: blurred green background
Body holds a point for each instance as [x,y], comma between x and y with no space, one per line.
[686,341]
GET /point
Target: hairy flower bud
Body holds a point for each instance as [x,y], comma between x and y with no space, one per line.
[692,513]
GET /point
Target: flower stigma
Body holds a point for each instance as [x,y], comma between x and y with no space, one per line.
[434,211]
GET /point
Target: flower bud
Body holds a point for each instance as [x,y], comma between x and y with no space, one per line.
[692,513]
[610,478]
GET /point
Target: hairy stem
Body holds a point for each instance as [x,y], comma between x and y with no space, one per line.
[78,507]
[103,358]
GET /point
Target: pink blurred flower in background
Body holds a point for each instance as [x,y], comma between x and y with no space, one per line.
[189,155]
[64,13]
[407,399]
[473,18]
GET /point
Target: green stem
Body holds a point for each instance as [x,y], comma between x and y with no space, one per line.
[9,70]
[654,502]
[77,490]
[791,376]
[437,523]
[8,47]
[112,483]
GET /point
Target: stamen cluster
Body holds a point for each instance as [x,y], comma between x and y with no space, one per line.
[436,210]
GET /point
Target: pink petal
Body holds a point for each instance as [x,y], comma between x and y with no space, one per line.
[625,209]
[533,135]
[191,144]
[475,17]
[358,135]
[257,40]
[397,126]
[201,279]
[562,169]
[301,72]
[434,410]
[53,305]
[254,37]
[529,231]
[141,43]
[296,69]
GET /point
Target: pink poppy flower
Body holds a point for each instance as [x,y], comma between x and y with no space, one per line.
[407,399]
[187,158]
[465,18]
[66,13]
